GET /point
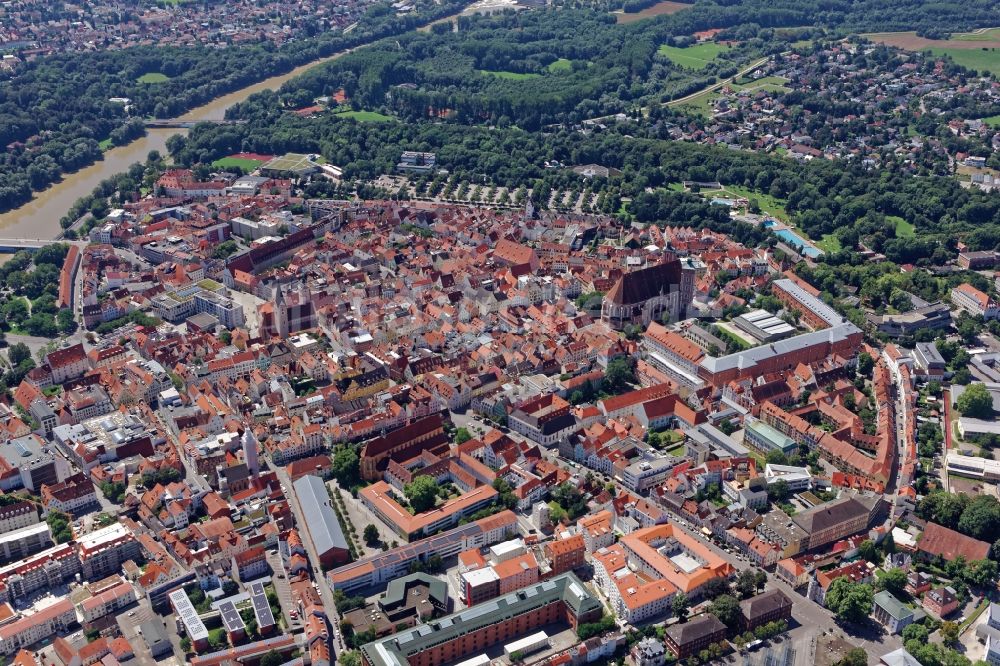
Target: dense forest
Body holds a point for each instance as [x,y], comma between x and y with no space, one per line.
[56,110]
[523,69]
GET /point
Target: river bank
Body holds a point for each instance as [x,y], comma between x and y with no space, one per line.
[39,218]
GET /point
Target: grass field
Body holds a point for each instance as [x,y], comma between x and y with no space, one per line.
[153,77]
[693,57]
[828,243]
[106,144]
[770,205]
[980,60]
[366,116]
[659,9]
[561,65]
[978,35]
[240,162]
[514,76]
[904,229]
[993,121]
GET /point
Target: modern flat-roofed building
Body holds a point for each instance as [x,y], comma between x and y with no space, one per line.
[765,439]
[103,551]
[22,542]
[928,360]
[763,326]
[563,600]
[187,617]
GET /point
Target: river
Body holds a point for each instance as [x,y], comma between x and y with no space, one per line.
[39,218]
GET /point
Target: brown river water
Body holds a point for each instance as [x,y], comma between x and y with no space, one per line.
[39,218]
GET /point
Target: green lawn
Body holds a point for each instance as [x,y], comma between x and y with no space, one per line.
[106,144]
[515,76]
[768,204]
[677,451]
[977,59]
[365,116]
[561,65]
[701,104]
[242,163]
[992,121]
[153,77]
[904,229]
[984,36]
[693,57]
[828,243]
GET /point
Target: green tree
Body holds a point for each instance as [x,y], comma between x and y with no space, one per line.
[981,518]
[850,601]
[981,573]
[17,353]
[462,435]
[618,375]
[869,551]
[856,657]
[348,658]
[746,583]
[975,402]
[421,493]
[726,608]
[345,465]
[65,321]
[865,364]
[778,491]
[949,632]
[776,457]
[893,581]
[371,534]
[681,607]
[915,632]
[273,658]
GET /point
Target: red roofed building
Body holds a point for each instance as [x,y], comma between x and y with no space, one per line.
[649,294]
[949,544]
[68,363]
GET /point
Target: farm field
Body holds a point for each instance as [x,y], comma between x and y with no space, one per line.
[975,50]
[659,9]
[693,57]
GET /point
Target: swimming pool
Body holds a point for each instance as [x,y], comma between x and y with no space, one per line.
[798,242]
